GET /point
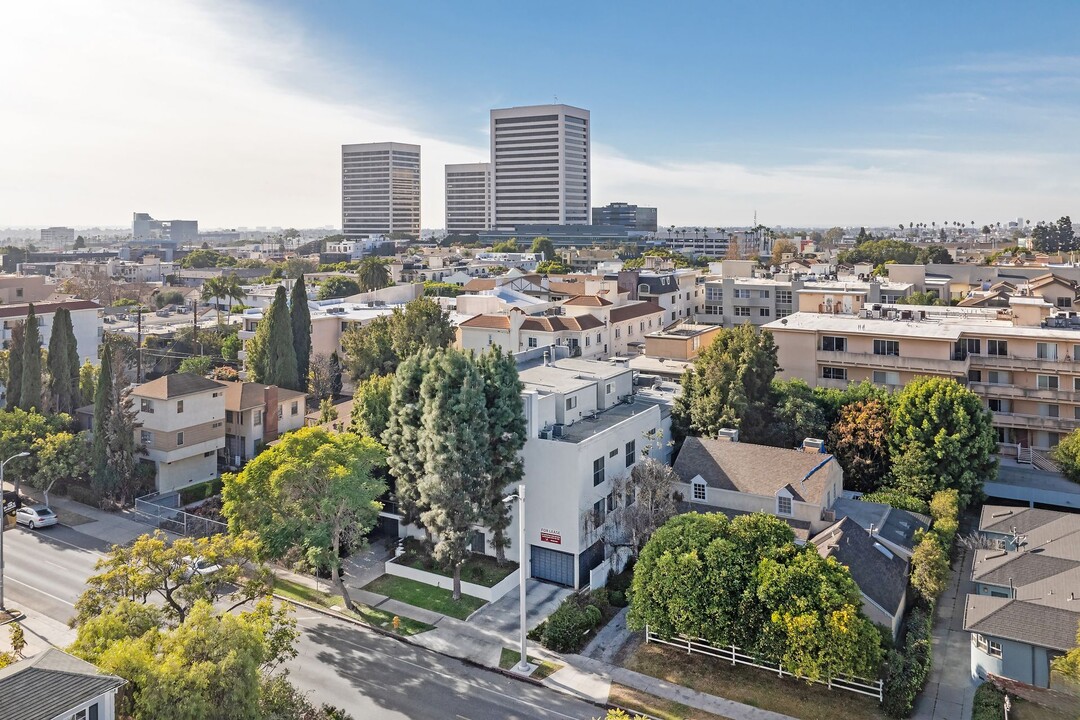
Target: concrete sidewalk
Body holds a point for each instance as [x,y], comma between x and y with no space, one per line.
[41,632]
[114,528]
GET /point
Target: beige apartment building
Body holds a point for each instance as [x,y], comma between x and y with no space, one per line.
[1021,359]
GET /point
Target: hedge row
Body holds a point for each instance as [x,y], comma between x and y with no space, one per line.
[909,670]
[202,491]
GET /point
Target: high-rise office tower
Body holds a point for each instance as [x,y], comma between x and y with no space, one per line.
[540,165]
[380,189]
[468,198]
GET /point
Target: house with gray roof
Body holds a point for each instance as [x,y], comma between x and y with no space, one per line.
[1024,608]
[881,574]
[57,686]
[894,528]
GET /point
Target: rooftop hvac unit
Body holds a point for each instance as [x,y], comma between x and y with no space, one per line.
[545,434]
[556,430]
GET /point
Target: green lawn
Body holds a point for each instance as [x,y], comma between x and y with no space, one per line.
[429,597]
[478,569]
[370,615]
[509,658]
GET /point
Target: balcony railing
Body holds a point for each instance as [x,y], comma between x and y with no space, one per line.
[1000,390]
[951,367]
[1036,422]
[1013,362]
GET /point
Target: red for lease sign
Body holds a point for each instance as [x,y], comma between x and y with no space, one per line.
[551,536]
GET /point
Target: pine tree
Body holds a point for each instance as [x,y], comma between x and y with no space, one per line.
[454,446]
[63,364]
[300,319]
[104,405]
[506,438]
[30,395]
[335,374]
[15,359]
[275,363]
[123,448]
[402,436]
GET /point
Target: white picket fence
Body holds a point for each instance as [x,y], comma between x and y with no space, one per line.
[735,655]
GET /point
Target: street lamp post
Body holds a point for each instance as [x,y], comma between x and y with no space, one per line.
[3,525]
[523,666]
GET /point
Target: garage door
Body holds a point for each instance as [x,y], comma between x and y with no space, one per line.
[553,566]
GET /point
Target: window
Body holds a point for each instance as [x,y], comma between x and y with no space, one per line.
[742,293]
[783,297]
[764,312]
[295,407]
[998,377]
[763,294]
[973,346]
[147,406]
[256,417]
[699,491]
[742,312]
[995,649]
[1046,351]
[280,409]
[1047,382]
[1063,302]
[179,439]
[532,342]
[618,332]
[714,294]
[997,347]
[597,471]
[571,402]
[477,542]
[613,453]
[886,347]
[631,453]
[783,505]
[886,377]
[146,437]
[598,512]
[975,376]
[998,405]
[179,406]
[833,344]
[833,373]
[1050,411]
[18,292]
[588,341]
[609,388]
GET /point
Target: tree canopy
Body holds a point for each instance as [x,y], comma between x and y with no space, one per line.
[338,286]
[271,354]
[300,322]
[879,252]
[378,347]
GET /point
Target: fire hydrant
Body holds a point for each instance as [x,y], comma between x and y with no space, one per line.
[396,622]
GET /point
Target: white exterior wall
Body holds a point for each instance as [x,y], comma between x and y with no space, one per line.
[188,463]
[106,705]
[86,324]
[468,197]
[187,471]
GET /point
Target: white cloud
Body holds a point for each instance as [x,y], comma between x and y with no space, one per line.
[229,114]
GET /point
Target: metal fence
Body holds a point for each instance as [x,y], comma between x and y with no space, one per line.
[163,510]
[735,655]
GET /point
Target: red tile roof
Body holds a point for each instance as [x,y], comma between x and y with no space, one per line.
[588,301]
[494,322]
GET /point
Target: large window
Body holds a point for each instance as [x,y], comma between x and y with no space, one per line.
[833,373]
[783,505]
[973,346]
[764,312]
[886,347]
[1046,351]
[598,471]
[998,377]
[886,377]
[571,402]
[699,491]
[147,406]
[783,297]
[742,293]
[997,347]
[631,453]
[742,312]
[833,343]
[1047,382]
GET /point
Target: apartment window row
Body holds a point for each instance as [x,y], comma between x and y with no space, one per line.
[832,343]
[886,347]
[833,373]
[990,647]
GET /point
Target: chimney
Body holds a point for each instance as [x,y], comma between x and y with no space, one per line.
[547,357]
[813,445]
[270,418]
[871,530]
[728,434]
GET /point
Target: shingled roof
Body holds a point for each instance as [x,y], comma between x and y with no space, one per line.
[588,301]
[50,685]
[1023,621]
[629,312]
[754,469]
[880,575]
[176,385]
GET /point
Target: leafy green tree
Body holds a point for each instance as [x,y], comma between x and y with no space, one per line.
[230,347]
[402,435]
[19,431]
[930,567]
[271,355]
[730,386]
[544,246]
[453,443]
[196,365]
[1069,663]
[369,349]
[556,266]
[15,361]
[206,258]
[63,364]
[920,298]
[155,567]
[314,491]
[505,246]
[214,289]
[860,442]
[1067,455]
[373,274]
[327,412]
[30,394]
[948,422]
[506,438]
[797,414]
[59,456]
[442,289]
[124,449]
[338,286]
[371,406]
[423,323]
[300,322]
[781,248]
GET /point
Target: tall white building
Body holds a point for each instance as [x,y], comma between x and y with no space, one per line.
[468,197]
[59,237]
[380,189]
[540,165]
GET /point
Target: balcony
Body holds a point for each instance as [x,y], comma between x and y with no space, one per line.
[934,366]
[995,390]
[1013,362]
[1036,422]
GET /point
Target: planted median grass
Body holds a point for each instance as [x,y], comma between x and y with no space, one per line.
[372,616]
[428,597]
[751,686]
[544,668]
[639,702]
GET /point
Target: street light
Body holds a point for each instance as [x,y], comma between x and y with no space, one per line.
[3,524]
[523,666]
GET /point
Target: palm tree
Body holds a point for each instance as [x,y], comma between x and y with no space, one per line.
[233,290]
[373,274]
[212,289]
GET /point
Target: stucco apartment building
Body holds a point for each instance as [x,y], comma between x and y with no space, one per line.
[256,415]
[1020,359]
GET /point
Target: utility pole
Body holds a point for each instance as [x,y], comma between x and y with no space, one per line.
[138,345]
[194,325]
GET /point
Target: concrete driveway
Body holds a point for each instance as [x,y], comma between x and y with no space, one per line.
[503,616]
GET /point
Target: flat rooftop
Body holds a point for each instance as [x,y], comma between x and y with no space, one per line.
[939,323]
[590,427]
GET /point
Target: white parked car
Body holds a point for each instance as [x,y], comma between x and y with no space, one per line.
[35,516]
[199,566]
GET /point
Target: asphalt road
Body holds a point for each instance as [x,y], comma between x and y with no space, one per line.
[367,674]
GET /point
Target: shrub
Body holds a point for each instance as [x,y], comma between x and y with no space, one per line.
[593,615]
[84,495]
[202,491]
[988,703]
[907,672]
[618,598]
[568,627]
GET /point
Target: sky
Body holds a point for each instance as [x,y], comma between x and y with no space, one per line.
[809,114]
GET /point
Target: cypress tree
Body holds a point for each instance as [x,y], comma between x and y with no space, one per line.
[63,364]
[276,364]
[300,319]
[506,438]
[402,436]
[104,408]
[30,395]
[335,374]
[454,447]
[15,358]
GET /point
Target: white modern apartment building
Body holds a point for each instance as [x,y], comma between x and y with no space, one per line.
[59,237]
[468,198]
[85,321]
[380,189]
[540,165]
